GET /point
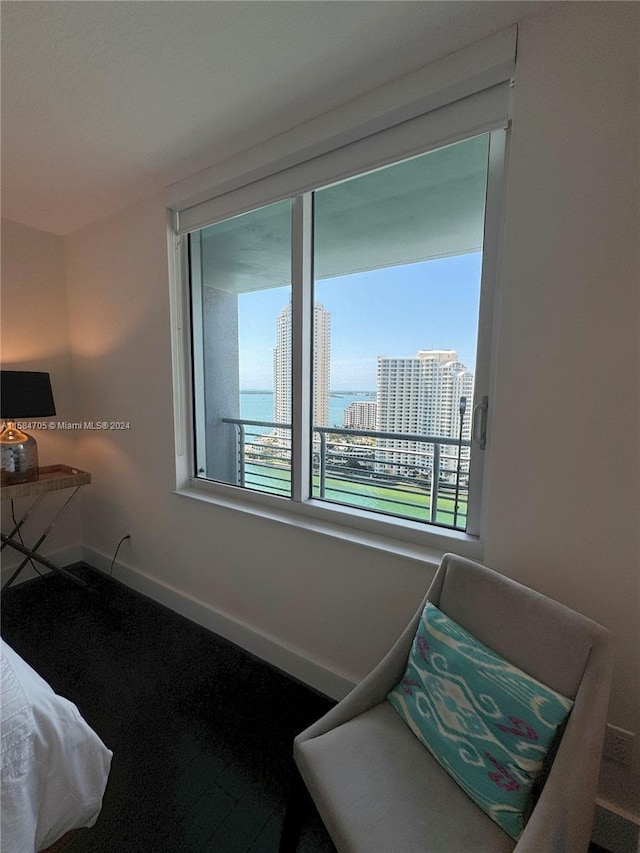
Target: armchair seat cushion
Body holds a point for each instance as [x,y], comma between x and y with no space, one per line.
[376,792]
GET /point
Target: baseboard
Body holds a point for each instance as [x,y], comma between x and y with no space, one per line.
[615,832]
[268,648]
[63,557]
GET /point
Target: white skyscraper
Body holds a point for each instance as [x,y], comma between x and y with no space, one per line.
[282,371]
[321,366]
[361,415]
[421,395]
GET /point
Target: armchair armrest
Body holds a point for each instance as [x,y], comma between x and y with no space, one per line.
[562,819]
[372,689]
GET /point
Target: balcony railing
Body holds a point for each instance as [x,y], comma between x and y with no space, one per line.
[419,477]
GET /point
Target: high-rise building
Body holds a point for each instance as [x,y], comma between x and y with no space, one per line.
[421,395]
[282,371]
[361,415]
[321,366]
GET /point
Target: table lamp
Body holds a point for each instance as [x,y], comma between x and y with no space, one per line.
[23,394]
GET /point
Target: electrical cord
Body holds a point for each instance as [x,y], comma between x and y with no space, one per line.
[127,536]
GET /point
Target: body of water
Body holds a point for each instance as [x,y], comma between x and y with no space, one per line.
[258,405]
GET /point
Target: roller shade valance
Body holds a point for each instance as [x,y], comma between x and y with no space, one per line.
[466,93]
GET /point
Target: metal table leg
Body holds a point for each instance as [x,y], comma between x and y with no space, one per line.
[31,552]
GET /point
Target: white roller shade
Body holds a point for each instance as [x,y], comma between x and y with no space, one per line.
[463,94]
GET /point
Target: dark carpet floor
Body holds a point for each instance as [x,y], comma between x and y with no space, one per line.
[201,732]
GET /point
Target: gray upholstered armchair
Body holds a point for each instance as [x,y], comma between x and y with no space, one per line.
[379,790]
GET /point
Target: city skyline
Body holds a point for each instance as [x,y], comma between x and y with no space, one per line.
[394,311]
[420,394]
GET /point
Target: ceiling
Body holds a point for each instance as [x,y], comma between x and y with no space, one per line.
[106,103]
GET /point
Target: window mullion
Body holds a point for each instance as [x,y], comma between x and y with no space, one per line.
[301,344]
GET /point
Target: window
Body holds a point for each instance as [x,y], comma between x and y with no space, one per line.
[241,296]
[341,340]
[341,287]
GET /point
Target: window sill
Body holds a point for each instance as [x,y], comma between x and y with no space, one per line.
[397,536]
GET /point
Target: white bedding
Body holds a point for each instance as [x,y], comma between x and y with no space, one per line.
[54,766]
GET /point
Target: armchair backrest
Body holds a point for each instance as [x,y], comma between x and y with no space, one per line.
[544,638]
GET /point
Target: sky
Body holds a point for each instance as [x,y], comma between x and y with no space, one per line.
[394,311]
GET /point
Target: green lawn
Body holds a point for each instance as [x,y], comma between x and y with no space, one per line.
[407,502]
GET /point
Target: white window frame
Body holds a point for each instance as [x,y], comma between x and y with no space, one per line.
[467,116]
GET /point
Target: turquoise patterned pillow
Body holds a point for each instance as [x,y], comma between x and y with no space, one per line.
[488,723]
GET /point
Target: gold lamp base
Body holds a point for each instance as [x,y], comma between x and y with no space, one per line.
[18,456]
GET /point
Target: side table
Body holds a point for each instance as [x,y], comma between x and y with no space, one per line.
[51,478]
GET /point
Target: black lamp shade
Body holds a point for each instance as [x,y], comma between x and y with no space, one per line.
[25,394]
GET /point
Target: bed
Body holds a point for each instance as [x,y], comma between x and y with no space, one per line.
[54,766]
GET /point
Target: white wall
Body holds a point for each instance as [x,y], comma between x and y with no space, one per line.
[566,408]
[568,364]
[35,336]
